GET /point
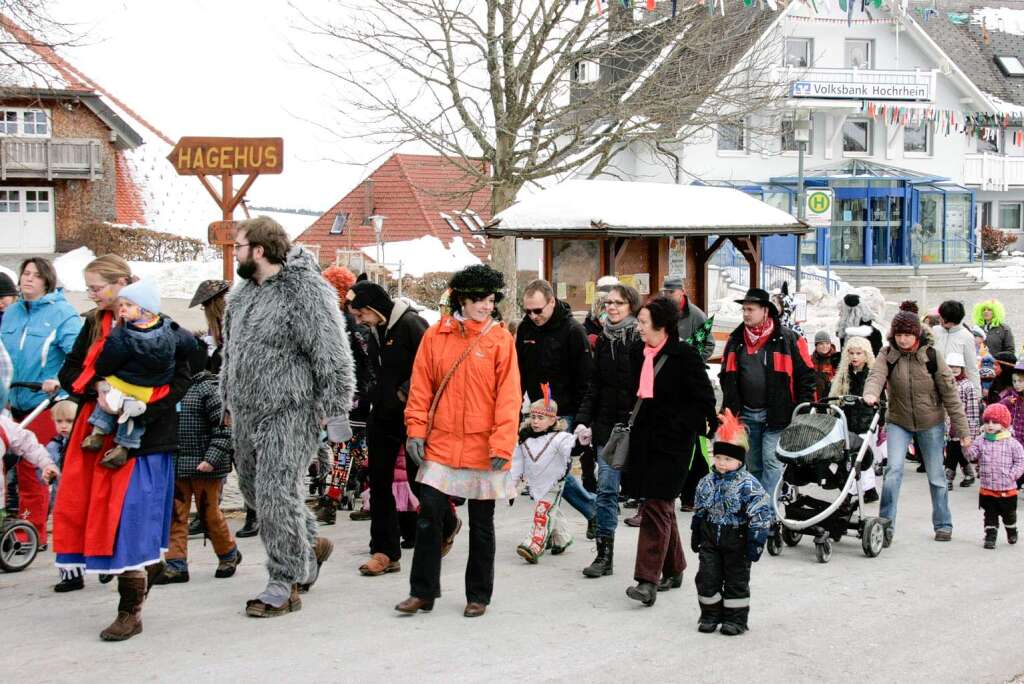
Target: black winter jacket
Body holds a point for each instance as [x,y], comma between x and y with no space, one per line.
[611,391]
[160,418]
[858,416]
[359,342]
[556,353]
[144,357]
[664,435]
[392,350]
[201,434]
[790,374]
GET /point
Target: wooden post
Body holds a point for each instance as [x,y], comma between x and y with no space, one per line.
[228,210]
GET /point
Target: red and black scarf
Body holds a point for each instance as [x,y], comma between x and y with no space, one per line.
[755,337]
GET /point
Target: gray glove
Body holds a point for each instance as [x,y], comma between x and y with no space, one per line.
[415,448]
[498,463]
[338,429]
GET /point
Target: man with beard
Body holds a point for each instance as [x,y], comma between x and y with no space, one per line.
[287,371]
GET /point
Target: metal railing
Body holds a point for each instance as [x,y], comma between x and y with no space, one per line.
[993,171]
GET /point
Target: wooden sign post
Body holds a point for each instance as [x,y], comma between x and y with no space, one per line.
[227,157]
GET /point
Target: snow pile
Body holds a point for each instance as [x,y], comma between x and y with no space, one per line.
[1009,275]
[175,279]
[425,254]
[1003,19]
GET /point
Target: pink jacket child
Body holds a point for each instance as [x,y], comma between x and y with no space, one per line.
[1000,458]
[1013,399]
[405,500]
[18,441]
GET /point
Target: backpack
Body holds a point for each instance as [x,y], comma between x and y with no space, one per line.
[932,364]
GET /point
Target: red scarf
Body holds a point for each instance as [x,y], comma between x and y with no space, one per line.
[89,365]
[755,337]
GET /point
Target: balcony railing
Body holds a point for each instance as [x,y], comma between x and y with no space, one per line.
[993,171]
[50,159]
[859,84]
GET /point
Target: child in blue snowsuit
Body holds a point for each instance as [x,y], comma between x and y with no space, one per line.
[731,522]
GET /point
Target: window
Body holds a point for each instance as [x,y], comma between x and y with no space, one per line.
[789,143]
[857,137]
[917,139]
[585,72]
[1010,215]
[340,219]
[35,122]
[989,144]
[9,201]
[451,223]
[798,52]
[476,219]
[8,122]
[37,201]
[858,54]
[1011,66]
[731,138]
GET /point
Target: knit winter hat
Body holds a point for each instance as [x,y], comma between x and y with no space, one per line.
[731,437]
[606,283]
[822,336]
[997,413]
[367,295]
[955,359]
[144,293]
[906,322]
[7,288]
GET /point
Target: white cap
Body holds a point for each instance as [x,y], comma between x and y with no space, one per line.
[955,359]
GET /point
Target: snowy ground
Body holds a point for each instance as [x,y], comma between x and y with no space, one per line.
[920,612]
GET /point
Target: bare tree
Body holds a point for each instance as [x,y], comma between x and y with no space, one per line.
[520,91]
[29,36]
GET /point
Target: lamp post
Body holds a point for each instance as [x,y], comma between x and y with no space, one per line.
[801,135]
[377,221]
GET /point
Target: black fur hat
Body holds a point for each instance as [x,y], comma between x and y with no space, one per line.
[476,282]
[851,300]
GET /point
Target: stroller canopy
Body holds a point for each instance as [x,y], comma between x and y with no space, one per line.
[813,438]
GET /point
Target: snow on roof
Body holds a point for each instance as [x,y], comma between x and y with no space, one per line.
[31,63]
[617,206]
[425,254]
[1004,19]
[655,64]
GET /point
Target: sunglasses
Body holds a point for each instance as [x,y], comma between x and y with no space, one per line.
[533,312]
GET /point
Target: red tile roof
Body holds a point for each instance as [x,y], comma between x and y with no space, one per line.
[411,191]
[128,205]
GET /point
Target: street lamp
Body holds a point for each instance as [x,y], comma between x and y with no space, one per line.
[377,220]
[801,135]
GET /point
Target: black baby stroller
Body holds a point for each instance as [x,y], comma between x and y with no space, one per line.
[19,541]
[817,448]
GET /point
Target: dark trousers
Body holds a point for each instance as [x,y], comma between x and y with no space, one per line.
[955,457]
[588,466]
[723,578]
[383,442]
[435,523]
[996,507]
[658,549]
[698,469]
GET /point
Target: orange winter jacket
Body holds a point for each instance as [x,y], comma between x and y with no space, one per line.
[478,414]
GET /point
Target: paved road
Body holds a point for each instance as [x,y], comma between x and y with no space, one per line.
[921,612]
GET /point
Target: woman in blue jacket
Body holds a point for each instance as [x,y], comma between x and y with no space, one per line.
[38,332]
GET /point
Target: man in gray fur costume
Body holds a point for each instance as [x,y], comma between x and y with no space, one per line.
[287,371]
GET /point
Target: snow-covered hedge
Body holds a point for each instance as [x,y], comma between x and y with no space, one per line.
[138,244]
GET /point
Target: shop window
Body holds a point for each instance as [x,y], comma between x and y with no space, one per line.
[917,139]
[1010,215]
[798,53]
[789,143]
[857,137]
[731,138]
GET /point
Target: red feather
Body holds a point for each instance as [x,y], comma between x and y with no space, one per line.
[732,430]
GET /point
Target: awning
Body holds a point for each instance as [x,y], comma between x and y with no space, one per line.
[595,208]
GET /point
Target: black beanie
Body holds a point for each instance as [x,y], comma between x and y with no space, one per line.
[367,295]
[7,288]
[851,300]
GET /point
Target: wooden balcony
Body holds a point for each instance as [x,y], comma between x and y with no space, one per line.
[50,159]
[993,171]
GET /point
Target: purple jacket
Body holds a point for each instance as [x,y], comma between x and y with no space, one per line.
[1013,400]
[1000,462]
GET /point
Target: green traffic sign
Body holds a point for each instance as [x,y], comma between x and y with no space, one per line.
[818,202]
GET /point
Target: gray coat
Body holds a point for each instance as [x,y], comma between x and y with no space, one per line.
[690,320]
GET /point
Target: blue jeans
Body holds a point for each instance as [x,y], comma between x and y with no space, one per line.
[607,502]
[578,497]
[931,442]
[761,459]
[107,423]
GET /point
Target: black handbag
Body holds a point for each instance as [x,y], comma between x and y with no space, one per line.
[616,449]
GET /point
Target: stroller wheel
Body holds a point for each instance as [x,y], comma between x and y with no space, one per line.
[19,544]
[823,551]
[791,537]
[872,538]
[774,545]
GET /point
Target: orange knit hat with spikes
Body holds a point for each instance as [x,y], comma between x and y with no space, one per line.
[731,438]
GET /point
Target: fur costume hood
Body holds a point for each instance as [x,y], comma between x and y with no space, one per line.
[285,345]
[997,309]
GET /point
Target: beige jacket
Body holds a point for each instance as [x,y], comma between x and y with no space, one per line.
[917,401]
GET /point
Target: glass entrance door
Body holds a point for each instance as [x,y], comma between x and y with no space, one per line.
[848,222]
[887,227]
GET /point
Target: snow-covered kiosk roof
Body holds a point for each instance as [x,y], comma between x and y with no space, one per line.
[591,208]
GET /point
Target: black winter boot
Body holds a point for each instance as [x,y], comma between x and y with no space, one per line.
[990,537]
[592,528]
[251,527]
[602,565]
[1011,535]
[644,592]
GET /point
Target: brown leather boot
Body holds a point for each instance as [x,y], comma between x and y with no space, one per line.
[115,458]
[94,442]
[128,622]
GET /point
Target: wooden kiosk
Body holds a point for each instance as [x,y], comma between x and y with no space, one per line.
[648,231]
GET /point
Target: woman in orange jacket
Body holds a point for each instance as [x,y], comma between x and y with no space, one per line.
[462,419]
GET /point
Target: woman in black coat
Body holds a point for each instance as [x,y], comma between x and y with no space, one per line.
[678,406]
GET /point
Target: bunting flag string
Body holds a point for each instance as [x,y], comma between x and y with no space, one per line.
[983,125]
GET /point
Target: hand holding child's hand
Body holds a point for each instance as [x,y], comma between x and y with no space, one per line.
[50,473]
[583,434]
[965,442]
[204,467]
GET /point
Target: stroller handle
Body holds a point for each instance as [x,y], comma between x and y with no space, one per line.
[34,386]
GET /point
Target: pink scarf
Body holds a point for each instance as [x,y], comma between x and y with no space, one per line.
[646,390]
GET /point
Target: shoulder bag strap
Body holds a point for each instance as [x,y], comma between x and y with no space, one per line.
[448,376]
[636,407]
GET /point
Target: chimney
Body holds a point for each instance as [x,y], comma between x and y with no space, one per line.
[368,204]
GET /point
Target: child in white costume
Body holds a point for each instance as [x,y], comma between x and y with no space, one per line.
[542,460]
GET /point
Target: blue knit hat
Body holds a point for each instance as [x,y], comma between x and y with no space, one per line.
[145,293]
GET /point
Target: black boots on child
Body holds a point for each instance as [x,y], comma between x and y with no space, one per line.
[602,565]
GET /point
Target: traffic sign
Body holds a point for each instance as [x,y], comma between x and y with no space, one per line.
[818,207]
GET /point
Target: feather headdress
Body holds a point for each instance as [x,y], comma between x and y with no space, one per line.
[546,404]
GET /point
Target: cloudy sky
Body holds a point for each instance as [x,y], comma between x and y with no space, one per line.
[224,67]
